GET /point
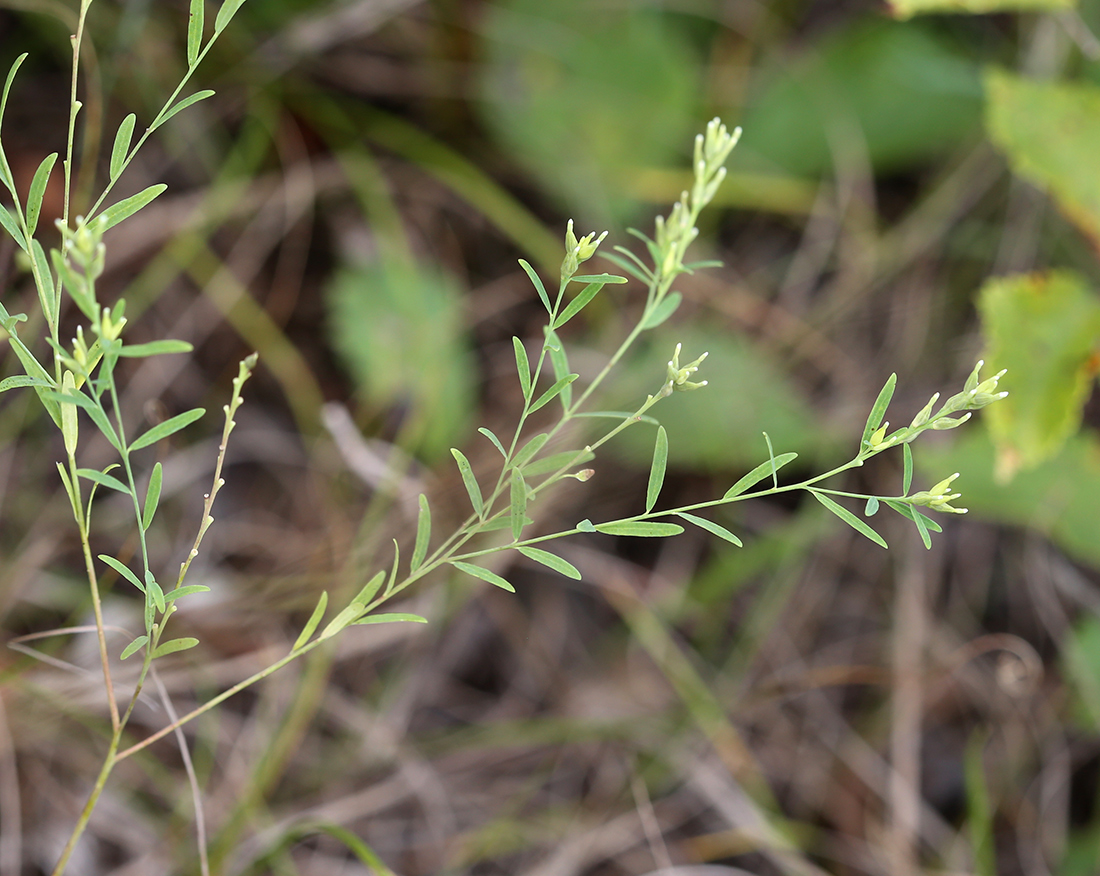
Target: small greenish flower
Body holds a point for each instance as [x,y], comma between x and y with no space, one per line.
[677,376]
[110,327]
[578,251]
[922,416]
[939,497]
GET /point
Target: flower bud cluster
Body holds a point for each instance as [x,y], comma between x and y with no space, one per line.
[578,251]
[938,498]
[677,376]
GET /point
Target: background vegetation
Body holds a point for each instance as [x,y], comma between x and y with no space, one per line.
[351,205]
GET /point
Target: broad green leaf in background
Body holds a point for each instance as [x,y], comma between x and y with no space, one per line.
[582,96]
[1045,329]
[1050,132]
[399,330]
[907,8]
[896,94]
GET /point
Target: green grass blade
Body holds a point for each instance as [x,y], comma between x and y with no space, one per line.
[174,645]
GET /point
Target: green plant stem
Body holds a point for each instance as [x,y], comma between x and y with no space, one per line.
[86,813]
[74,108]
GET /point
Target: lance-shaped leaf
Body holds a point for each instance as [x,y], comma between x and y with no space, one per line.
[635,266]
[523,367]
[849,518]
[194,30]
[22,380]
[907,469]
[496,441]
[5,168]
[123,570]
[370,589]
[758,474]
[552,392]
[186,590]
[153,590]
[711,527]
[878,410]
[668,306]
[128,207]
[168,427]
[174,645]
[918,519]
[657,469]
[556,461]
[910,513]
[312,623]
[423,534]
[529,449]
[613,279]
[155,348]
[908,8]
[551,561]
[37,191]
[391,617]
[190,100]
[639,528]
[537,283]
[225,14]
[121,148]
[345,618]
[577,304]
[484,575]
[152,497]
[8,222]
[518,504]
[560,363]
[133,647]
[472,489]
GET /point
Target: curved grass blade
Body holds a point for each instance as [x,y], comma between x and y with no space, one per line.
[711,527]
[639,528]
[537,283]
[168,427]
[657,469]
[484,574]
[771,461]
[759,473]
[423,534]
[121,148]
[551,561]
[849,518]
[5,169]
[878,410]
[472,489]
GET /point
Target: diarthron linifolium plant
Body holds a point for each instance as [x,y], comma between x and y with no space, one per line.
[79,378]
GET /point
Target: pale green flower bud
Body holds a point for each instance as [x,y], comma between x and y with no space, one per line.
[677,377]
[922,416]
[578,251]
[939,497]
[945,423]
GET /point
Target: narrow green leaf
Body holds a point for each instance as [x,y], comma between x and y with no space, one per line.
[389,618]
[469,480]
[907,469]
[168,427]
[602,279]
[552,561]
[423,534]
[523,367]
[44,282]
[128,207]
[518,505]
[155,348]
[123,570]
[225,14]
[370,589]
[312,623]
[190,100]
[711,527]
[909,513]
[152,497]
[8,221]
[560,363]
[878,410]
[871,508]
[586,526]
[174,645]
[133,647]
[37,191]
[22,380]
[194,31]
[392,579]
[5,169]
[657,469]
[104,479]
[73,499]
[344,618]
[152,588]
[552,392]
[186,590]
[121,148]
[75,284]
[640,528]
[529,449]
[552,463]
[577,304]
[537,283]
[758,474]
[484,575]
[501,523]
[919,519]
[663,311]
[496,441]
[849,518]
[771,461]
[636,268]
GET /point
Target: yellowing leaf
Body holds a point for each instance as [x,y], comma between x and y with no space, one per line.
[1045,329]
[1051,135]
